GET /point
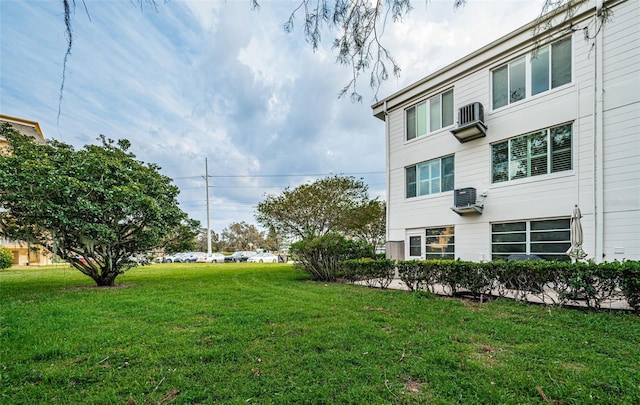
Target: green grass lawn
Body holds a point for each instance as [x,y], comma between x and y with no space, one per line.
[253,333]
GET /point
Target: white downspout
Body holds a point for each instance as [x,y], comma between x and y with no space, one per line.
[598,129]
[388,174]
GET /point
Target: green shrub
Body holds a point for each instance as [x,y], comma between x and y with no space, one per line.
[321,256]
[414,274]
[375,273]
[477,278]
[517,279]
[587,282]
[6,258]
[578,283]
[630,283]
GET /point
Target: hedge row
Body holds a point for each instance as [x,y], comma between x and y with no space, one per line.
[561,283]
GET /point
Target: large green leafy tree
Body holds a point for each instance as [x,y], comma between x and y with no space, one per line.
[326,205]
[321,215]
[96,206]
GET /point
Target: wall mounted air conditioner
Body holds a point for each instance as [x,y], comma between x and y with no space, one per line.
[470,123]
[465,202]
[463,197]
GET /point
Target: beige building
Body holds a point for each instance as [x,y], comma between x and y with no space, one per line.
[23,252]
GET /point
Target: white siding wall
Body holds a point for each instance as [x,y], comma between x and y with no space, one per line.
[622,134]
[542,196]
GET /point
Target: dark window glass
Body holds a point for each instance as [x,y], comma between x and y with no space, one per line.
[517,80]
[410,174]
[561,63]
[447,173]
[447,108]
[415,246]
[540,71]
[411,123]
[500,87]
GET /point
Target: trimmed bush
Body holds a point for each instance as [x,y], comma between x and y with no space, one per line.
[6,258]
[416,275]
[587,282]
[321,256]
[375,273]
[517,279]
[561,283]
[630,283]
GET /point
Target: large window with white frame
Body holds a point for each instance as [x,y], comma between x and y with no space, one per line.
[440,243]
[538,153]
[544,69]
[548,239]
[429,115]
[431,177]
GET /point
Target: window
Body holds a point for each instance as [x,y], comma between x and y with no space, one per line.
[548,67]
[548,239]
[440,243]
[434,176]
[538,153]
[551,66]
[430,115]
[415,248]
[509,83]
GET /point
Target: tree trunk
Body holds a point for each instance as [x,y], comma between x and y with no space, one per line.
[106,279]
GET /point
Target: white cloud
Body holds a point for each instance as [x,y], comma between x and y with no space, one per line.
[215,80]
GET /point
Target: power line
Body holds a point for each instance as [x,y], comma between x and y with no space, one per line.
[276,175]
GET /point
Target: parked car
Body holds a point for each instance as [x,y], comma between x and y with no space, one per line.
[174,258]
[263,258]
[192,257]
[211,258]
[240,256]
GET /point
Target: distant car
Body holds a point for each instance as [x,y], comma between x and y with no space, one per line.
[192,257]
[174,258]
[211,258]
[240,256]
[263,258]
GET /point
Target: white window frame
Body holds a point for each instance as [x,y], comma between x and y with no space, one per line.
[528,60]
[441,177]
[421,240]
[528,241]
[442,242]
[427,116]
[549,154]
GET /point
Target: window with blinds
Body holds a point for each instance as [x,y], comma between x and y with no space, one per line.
[548,239]
[538,153]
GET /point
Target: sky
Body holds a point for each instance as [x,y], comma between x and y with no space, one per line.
[217,82]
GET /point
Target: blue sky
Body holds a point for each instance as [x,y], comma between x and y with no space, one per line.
[216,80]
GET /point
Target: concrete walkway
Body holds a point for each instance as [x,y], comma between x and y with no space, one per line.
[547,297]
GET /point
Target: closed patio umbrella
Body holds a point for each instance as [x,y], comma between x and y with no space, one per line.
[576,252]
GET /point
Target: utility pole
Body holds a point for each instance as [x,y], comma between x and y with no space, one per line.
[206,181]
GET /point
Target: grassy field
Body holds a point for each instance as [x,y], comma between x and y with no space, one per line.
[253,333]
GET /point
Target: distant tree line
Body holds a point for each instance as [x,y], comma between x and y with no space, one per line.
[239,236]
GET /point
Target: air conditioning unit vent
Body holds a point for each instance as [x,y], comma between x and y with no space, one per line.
[470,123]
[470,113]
[463,197]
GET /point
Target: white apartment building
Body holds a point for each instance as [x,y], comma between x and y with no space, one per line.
[487,157]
